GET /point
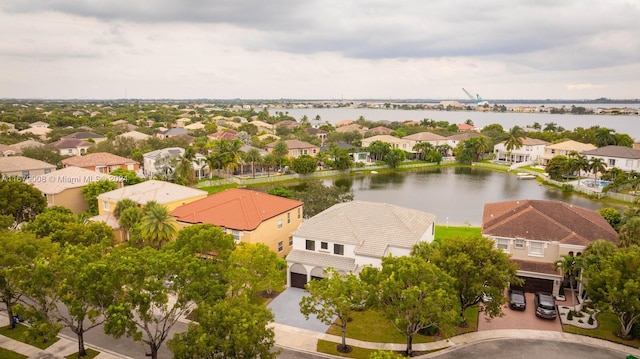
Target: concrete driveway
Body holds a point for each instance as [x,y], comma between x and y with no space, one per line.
[515,319]
[286,310]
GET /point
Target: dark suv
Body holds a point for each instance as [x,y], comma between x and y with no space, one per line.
[545,305]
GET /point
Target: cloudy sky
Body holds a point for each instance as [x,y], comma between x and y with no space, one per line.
[319,49]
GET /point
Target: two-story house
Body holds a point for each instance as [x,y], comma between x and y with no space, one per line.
[564,148]
[250,216]
[296,148]
[86,136]
[20,166]
[103,162]
[531,150]
[71,146]
[536,233]
[429,137]
[395,142]
[164,162]
[624,158]
[351,235]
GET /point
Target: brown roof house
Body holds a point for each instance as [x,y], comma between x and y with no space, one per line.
[102,162]
[250,216]
[86,136]
[536,233]
[71,146]
[24,167]
[296,148]
[352,235]
[64,187]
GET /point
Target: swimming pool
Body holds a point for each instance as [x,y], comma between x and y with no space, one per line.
[592,183]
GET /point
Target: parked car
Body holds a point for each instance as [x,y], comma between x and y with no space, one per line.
[517,299]
[545,305]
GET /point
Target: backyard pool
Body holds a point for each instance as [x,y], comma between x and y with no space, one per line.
[594,183]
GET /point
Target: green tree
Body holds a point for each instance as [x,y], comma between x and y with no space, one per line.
[254,157]
[630,232]
[422,148]
[232,328]
[255,268]
[157,226]
[122,205]
[612,215]
[339,158]
[514,139]
[317,197]
[130,177]
[51,220]
[86,234]
[604,137]
[44,153]
[378,150]
[20,200]
[614,286]
[333,299]
[557,167]
[413,294]
[395,157]
[596,164]
[184,168]
[434,156]
[569,266]
[280,151]
[92,190]
[304,164]
[478,269]
[129,219]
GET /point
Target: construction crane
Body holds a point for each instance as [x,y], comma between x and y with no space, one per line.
[477,99]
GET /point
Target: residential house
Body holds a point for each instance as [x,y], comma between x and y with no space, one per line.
[454,140]
[135,135]
[531,150]
[395,142]
[349,236]
[250,216]
[564,148]
[6,150]
[263,126]
[164,161]
[536,233]
[465,127]
[288,124]
[168,194]
[172,132]
[64,187]
[321,134]
[268,136]
[182,122]
[344,123]
[39,124]
[636,145]
[86,136]
[352,127]
[71,146]
[102,162]
[223,135]
[195,126]
[24,167]
[429,137]
[38,128]
[380,130]
[28,143]
[7,127]
[296,148]
[624,158]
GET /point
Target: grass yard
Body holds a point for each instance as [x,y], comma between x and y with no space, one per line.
[608,325]
[331,348]
[20,334]
[90,354]
[8,354]
[216,189]
[444,232]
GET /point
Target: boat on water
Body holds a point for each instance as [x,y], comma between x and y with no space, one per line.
[524,175]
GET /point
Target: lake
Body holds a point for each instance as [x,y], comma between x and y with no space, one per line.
[629,124]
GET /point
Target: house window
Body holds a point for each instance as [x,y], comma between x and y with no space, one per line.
[519,243]
[611,162]
[294,153]
[70,151]
[338,249]
[105,206]
[288,217]
[324,245]
[25,174]
[280,246]
[629,163]
[310,245]
[236,235]
[503,244]
[536,249]
[304,152]
[290,241]
[279,223]
[299,212]
[553,152]
[47,170]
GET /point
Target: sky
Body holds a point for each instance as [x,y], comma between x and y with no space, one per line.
[319,49]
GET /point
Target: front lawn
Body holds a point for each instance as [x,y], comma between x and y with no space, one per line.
[20,334]
[90,354]
[608,326]
[8,354]
[445,232]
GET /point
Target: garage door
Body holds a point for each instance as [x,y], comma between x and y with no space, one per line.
[533,285]
[298,280]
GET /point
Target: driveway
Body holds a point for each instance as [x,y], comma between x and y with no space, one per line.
[515,319]
[286,310]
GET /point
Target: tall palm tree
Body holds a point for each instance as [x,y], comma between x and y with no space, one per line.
[514,139]
[253,156]
[214,160]
[604,137]
[157,226]
[596,164]
[422,148]
[184,169]
[483,145]
[567,263]
[232,155]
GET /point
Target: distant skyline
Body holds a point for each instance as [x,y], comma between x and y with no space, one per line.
[331,49]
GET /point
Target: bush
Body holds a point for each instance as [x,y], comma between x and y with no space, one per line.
[570,315]
[430,331]
[590,321]
[567,188]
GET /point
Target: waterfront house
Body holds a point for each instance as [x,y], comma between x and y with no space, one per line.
[429,137]
[250,216]
[536,233]
[296,148]
[164,161]
[624,158]
[564,148]
[349,236]
[531,151]
[394,142]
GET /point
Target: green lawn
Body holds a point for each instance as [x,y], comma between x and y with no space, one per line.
[608,326]
[8,354]
[90,354]
[331,348]
[20,334]
[444,232]
[216,189]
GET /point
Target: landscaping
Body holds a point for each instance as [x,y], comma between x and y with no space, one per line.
[444,232]
[608,326]
[90,354]
[8,354]
[20,334]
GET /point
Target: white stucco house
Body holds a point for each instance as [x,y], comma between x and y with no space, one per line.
[624,158]
[532,150]
[164,162]
[352,235]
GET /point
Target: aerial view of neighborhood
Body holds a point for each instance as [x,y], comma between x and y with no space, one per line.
[319,179]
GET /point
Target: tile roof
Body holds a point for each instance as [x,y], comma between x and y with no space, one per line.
[135,135]
[235,208]
[11,150]
[614,151]
[153,190]
[21,163]
[28,143]
[463,136]
[372,227]
[293,144]
[536,267]
[571,145]
[70,143]
[380,130]
[549,221]
[83,135]
[425,136]
[96,159]
[324,260]
[527,141]
[66,178]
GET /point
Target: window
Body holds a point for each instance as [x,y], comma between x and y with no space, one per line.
[280,247]
[70,151]
[629,163]
[299,212]
[25,174]
[612,162]
[536,249]
[47,170]
[324,245]
[338,249]
[105,206]
[310,245]
[553,152]
[236,235]
[290,241]
[279,223]
[288,217]
[503,244]
[519,243]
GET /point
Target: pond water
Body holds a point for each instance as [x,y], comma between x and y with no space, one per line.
[455,195]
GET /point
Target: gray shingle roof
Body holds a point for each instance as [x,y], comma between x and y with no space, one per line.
[372,227]
[614,151]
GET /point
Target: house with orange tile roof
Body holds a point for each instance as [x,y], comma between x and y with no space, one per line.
[102,162]
[536,233]
[250,216]
[296,148]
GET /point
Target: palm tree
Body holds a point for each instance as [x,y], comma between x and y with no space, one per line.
[214,160]
[422,148]
[280,150]
[253,156]
[567,263]
[514,141]
[157,226]
[483,145]
[596,164]
[604,137]
[184,169]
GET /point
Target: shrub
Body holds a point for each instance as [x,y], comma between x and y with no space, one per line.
[590,321]
[567,188]
[570,315]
